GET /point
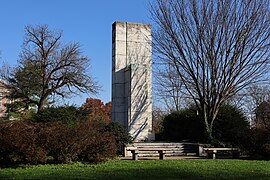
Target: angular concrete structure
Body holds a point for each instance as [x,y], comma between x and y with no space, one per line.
[132,78]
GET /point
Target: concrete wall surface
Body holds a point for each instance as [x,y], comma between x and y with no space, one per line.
[132,78]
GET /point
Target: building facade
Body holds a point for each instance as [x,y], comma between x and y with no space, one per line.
[3,100]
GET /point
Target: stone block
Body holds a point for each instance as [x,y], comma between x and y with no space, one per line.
[119,101]
[120,117]
[120,31]
[132,78]
[120,48]
[119,62]
[118,90]
[139,50]
[140,131]
[119,77]
[138,32]
[119,108]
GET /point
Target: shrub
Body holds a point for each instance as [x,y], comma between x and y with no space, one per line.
[259,143]
[121,135]
[183,125]
[57,139]
[65,114]
[32,143]
[18,143]
[230,128]
[97,144]
[259,139]
[87,141]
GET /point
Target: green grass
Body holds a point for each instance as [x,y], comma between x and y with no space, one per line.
[145,169]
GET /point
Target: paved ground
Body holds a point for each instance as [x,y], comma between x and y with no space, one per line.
[166,158]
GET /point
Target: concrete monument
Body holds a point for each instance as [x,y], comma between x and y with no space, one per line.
[132,78]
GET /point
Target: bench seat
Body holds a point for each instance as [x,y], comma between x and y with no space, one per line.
[211,152]
[135,151]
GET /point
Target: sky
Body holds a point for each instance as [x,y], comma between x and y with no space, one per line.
[88,22]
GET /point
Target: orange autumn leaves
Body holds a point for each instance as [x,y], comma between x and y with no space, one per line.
[98,110]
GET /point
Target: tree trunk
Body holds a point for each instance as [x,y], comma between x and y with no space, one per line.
[41,104]
[208,125]
[209,134]
[216,48]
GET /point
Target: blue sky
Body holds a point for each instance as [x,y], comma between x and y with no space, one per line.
[85,21]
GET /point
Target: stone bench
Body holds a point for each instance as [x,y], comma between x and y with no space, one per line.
[135,151]
[211,152]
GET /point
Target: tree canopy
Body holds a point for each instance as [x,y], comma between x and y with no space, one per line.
[48,68]
[216,48]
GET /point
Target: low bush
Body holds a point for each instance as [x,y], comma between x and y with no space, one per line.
[97,144]
[259,144]
[57,139]
[88,142]
[18,143]
[122,137]
[24,142]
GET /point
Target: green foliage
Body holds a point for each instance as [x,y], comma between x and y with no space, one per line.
[154,169]
[18,110]
[121,135]
[67,114]
[231,127]
[47,68]
[22,83]
[183,125]
[28,115]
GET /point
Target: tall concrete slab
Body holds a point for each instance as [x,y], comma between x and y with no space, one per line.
[132,78]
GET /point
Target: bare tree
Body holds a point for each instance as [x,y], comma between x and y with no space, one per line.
[218,48]
[169,89]
[47,68]
[255,97]
[158,116]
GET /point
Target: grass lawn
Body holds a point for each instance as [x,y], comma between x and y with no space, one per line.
[145,169]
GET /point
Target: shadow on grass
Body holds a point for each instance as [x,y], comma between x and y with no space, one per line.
[138,174]
[136,170]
